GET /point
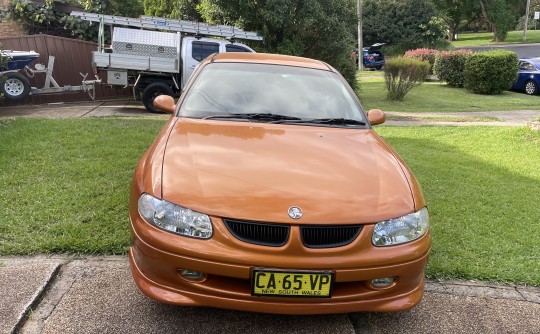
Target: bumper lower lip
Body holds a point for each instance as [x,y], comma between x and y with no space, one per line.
[171,295]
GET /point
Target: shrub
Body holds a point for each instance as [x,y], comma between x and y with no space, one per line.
[491,72]
[449,66]
[423,54]
[402,74]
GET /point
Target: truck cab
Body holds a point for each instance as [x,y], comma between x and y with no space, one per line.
[194,50]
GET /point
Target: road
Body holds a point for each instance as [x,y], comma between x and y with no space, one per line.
[523,50]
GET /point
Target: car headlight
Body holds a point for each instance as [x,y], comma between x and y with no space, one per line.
[174,218]
[400,230]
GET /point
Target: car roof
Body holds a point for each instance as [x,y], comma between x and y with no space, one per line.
[268,58]
[534,60]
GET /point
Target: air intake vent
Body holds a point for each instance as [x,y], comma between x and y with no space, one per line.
[329,236]
[258,233]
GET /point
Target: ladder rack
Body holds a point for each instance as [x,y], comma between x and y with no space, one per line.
[160,23]
[164,20]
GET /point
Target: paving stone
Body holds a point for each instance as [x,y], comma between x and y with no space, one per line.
[483,291]
[531,294]
[448,314]
[105,300]
[22,283]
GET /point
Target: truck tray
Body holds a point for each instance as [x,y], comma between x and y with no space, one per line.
[145,43]
[131,62]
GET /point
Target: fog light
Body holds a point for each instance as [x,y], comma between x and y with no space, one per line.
[381,283]
[192,275]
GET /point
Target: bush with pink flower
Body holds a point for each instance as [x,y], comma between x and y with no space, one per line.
[423,54]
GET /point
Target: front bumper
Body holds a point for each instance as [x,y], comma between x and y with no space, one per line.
[156,256]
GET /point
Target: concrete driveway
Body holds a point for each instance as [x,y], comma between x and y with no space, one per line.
[79,109]
[97,295]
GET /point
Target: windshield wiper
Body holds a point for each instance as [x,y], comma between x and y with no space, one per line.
[329,121]
[256,116]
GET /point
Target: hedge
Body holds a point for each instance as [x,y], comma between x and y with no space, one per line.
[423,54]
[491,72]
[450,65]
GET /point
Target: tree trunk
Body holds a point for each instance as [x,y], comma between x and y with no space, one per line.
[490,23]
[451,32]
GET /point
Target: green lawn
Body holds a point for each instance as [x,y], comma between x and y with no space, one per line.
[485,38]
[65,184]
[482,185]
[438,97]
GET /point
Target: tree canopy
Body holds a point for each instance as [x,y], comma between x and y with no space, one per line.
[453,12]
[53,17]
[406,22]
[318,29]
[500,16]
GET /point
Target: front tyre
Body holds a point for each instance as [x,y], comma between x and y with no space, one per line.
[152,91]
[531,88]
[14,86]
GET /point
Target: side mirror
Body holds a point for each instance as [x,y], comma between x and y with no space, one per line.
[164,103]
[376,116]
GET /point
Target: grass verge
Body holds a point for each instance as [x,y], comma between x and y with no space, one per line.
[455,119]
[65,189]
[482,186]
[65,183]
[438,97]
[486,38]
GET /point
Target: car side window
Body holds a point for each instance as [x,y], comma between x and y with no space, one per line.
[201,50]
[526,66]
[235,48]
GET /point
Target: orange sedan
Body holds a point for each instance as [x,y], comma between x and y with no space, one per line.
[268,191]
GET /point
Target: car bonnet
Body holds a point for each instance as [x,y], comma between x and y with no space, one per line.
[257,171]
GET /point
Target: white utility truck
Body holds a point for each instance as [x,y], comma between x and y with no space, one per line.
[157,56]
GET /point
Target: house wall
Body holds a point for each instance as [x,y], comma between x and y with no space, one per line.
[8,27]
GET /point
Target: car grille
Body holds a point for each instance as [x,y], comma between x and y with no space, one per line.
[329,236]
[258,233]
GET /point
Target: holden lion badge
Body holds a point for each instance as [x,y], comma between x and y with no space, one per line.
[295,212]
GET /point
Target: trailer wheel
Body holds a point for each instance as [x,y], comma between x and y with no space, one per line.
[152,91]
[14,86]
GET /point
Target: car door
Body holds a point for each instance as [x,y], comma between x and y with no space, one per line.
[525,70]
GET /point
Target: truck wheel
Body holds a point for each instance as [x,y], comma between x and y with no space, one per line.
[152,91]
[14,86]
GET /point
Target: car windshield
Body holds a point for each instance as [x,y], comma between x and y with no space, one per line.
[229,90]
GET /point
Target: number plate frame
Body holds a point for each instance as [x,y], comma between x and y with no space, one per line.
[321,273]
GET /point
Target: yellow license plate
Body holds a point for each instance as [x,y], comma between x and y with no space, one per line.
[285,283]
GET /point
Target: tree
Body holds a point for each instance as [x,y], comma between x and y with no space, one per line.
[179,9]
[53,17]
[406,22]
[127,8]
[318,29]
[500,15]
[453,12]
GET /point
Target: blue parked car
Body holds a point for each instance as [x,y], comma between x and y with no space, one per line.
[528,76]
[373,57]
